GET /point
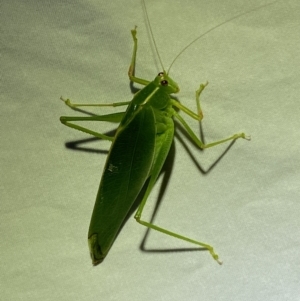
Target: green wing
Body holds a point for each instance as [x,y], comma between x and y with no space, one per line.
[127,168]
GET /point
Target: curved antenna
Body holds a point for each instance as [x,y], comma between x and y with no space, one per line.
[152,35]
[215,27]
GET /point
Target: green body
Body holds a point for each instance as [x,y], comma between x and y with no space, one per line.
[137,154]
[139,149]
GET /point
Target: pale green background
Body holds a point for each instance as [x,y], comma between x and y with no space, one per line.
[248,206]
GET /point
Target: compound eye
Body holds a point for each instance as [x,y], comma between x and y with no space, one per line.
[160,74]
[164,82]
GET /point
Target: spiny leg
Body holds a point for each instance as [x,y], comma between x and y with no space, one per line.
[74,106]
[68,121]
[199,117]
[138,217]
[131,71]
[198,93]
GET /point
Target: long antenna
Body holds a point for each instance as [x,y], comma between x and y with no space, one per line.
[152,35]
[215,27]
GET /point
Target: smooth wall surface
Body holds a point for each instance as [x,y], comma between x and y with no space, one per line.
[247,206]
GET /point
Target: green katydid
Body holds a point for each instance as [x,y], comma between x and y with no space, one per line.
[138,151]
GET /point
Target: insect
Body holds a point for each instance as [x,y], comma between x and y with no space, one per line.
[138,151]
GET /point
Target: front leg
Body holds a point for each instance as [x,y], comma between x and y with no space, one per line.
[131,71]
